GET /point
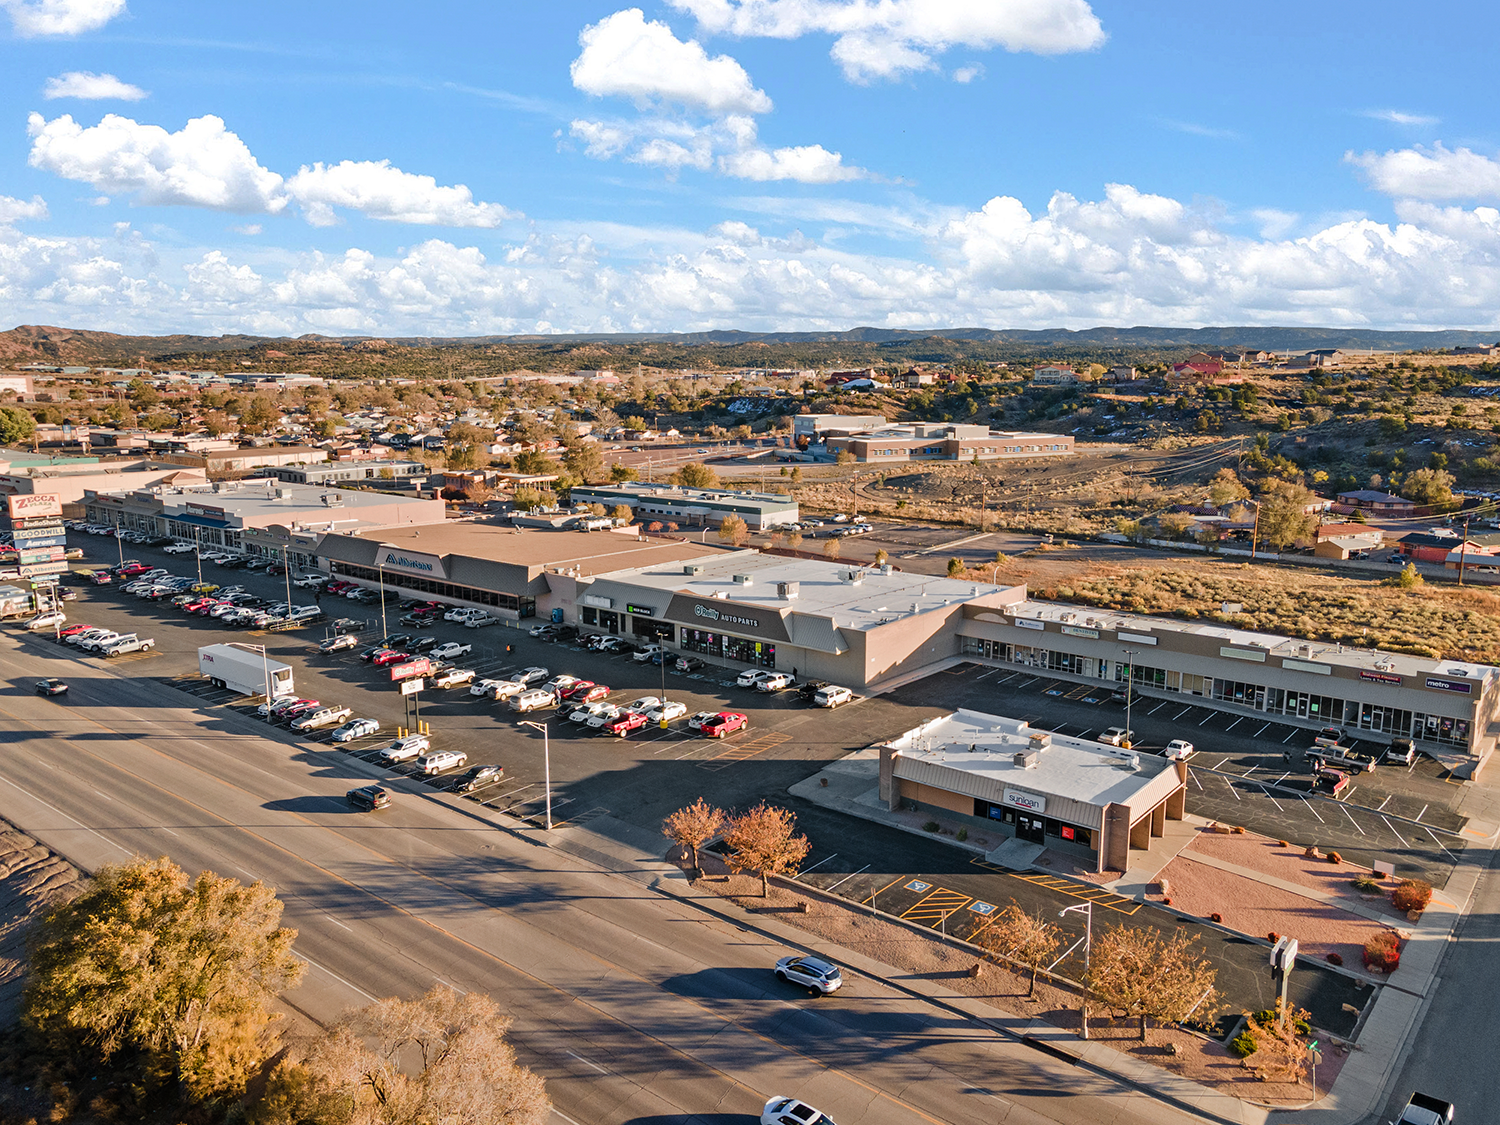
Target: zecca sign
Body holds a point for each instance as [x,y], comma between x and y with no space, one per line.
[34,506]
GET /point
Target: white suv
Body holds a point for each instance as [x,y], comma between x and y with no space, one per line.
[440,760]
[405,749]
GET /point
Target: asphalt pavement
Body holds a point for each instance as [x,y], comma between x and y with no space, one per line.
[632,1004]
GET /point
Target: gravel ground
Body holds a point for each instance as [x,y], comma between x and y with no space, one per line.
[1256,908]
[1289,864]
[922,958]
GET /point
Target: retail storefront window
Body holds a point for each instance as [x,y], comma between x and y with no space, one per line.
[729,648]
[522,607]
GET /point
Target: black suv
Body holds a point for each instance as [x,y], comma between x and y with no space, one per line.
[368,798]
[807,689]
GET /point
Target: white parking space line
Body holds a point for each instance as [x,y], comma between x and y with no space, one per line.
[1181,713]
[820,863]
[1158,707]
[1383,804]
[1205,718]
[1219,763]
[1196,782]
[1262,731]
[1270,798]
[1352,821]
[1394,833]
[1008,678]
[1418,817]
[1083,733]
[1282,778]
[1311,807]
[1234,724]
[846,878]
[1232,789]
[1289,737]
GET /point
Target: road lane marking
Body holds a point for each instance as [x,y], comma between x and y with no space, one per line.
[75,820]
[586,1062]
[337,923]
[335,976]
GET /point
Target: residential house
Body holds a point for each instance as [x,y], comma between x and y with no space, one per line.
[1369,500]
[913,378]
[1053,376]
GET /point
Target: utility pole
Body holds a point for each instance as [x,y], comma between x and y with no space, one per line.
[1463,552]
[1129,683]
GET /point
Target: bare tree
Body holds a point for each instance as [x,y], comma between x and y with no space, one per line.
[693,826]
[443,1058]
[832,549]
[764,840]
[1026,939]
[1138,972]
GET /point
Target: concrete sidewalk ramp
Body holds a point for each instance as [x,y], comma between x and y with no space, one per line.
[1016,854]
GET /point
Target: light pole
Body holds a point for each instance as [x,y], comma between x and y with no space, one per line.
[286,571]
[1129,684]
[1087,909]
[380,574]
[546,765]
[198,553]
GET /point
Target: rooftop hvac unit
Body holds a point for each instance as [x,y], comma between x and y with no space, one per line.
[742,579]
[853,577]
[886,568]
[788,590]
[1041,739]
[333,500]
[1026,759]
[692,568]
[1069,617]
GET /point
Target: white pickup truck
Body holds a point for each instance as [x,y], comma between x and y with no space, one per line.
[130,643]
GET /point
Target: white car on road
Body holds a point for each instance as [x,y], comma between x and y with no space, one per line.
[789,1111]
[451,651]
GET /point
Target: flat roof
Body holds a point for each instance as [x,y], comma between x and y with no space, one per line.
[673,493]
[590,552]
[1074,768]
[267,496]
[1290,648]
[873,597]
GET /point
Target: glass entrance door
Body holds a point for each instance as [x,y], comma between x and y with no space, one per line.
[1030,828]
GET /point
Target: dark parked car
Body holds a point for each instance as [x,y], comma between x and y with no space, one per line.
[475,777]
[688,663]
[422,644]
[51,687]
[369,798]
[807,689]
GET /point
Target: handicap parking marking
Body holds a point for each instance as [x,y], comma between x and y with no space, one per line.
[936,907]
[918,886]
[1052,691]
[981,907]
[1094,699]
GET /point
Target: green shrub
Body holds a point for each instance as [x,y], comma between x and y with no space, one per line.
[930,826]
[1243,1045]
[963,834]
[1367,884]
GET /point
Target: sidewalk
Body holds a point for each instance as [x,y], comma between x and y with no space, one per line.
[852,787]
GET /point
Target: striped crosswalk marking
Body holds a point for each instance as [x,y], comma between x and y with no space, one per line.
[935,907]
[1097,895]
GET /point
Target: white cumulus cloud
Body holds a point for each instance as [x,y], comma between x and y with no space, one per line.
[60,17]
[1430,173]
[626,56]
[201,165]
[14,210]
[807,164]
[379,191]
[88,86]
[877,39]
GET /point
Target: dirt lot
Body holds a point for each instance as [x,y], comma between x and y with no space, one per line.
[1183,1053]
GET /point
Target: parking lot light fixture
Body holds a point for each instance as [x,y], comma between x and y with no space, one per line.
[198,554]
[1132,653]
[380,575]
[546,765]
[287,572]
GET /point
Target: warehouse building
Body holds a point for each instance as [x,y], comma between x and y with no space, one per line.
[1447,706]
[1071,794]
[942,441]
[691,506]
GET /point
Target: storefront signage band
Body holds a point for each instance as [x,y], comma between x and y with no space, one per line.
[598,601]
[1027,623]
[34,505]
[1134,638]
[1031,802]
[1307,666]
[1079,631]
[711,614]
[640,610]
[1450,685]
[1243,654]
[1382,678]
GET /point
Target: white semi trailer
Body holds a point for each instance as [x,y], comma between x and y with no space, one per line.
[243,669]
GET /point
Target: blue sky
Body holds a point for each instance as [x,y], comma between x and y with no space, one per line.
[459,168]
